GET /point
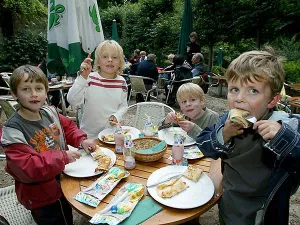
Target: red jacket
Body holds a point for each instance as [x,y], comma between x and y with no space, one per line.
[34,172]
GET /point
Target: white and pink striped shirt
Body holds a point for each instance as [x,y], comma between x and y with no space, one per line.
[102,98]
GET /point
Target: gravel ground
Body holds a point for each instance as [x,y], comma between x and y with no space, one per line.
[211,217]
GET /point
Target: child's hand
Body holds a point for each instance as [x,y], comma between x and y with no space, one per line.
[231,129]
[186,125]
[267,128]
[86,67]
[88,145]
[73,155]
[171,118]
[113,120]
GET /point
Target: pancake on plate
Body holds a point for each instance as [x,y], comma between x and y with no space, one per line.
[171,188]
[179,116]
[193,172]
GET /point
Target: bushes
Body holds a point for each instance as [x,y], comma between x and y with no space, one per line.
[292,71]
[23,49]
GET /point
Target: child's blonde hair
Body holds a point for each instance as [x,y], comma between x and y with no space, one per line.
[143,53]
[34,74]
[189,90]
[114,47]
[260,66]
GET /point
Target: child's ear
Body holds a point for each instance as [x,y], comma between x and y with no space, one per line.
[14,96]
[274,101]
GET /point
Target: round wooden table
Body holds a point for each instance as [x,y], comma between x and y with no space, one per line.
[71,186]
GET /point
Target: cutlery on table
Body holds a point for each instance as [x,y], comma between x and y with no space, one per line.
[165,180]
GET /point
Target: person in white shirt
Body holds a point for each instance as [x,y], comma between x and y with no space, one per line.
[103,92]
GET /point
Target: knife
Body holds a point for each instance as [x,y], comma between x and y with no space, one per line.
[165,180]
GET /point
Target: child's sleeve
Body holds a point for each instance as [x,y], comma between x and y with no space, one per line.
[76,93]
[286,145]
[29,166]
[208,142]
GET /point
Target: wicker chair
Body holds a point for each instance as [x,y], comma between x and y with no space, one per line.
[12,210]
[136,115]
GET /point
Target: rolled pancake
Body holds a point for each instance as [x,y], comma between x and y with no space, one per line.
[239,116]
[171,188]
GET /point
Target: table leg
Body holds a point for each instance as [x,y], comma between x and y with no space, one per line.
[220,90]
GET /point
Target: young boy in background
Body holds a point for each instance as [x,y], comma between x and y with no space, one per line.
[260,164]
[35,142]
[191,100]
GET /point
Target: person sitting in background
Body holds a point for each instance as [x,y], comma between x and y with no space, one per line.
[148,68]
[200,70]
[191,100]
[182,71]
[199,67]
[136,57]
[143,55]
[170,67]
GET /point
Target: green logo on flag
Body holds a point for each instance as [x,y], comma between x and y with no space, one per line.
[55,14]
[93,15]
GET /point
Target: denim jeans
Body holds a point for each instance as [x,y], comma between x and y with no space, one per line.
[57,213]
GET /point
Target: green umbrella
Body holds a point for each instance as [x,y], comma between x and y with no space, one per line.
[74,30]
[220,57]
[186,27]
[114,32]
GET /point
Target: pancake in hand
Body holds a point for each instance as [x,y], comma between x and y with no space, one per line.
[193,172]
[171,188]
[97,153]
[179,116]
[239,116]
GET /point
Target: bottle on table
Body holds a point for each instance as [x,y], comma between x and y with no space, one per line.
[149,127]
[119,139]
[178,151]
[128,153]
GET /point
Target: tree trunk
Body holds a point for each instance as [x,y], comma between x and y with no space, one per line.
[258,38]
[210,55]
[6,22]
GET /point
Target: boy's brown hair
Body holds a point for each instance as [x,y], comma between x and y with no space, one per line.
[189,90]
[34,74]
[260,66]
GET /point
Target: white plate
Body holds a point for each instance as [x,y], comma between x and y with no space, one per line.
[167,134]
[85,165]
[133,132]
[196,195]
[56,86]
[192,152]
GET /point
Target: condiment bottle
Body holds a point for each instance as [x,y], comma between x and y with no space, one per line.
[128,153]
[149,128]
[177,152]
[119,139]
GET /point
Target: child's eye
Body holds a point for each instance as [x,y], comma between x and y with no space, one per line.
[253,91]
[193,99]
[183,102]
[39,89]
[234,90]
[25,89]
[115,57]
[104,56]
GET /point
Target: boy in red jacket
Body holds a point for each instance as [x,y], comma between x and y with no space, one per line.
[35,142]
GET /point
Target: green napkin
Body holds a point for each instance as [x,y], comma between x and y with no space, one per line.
[143,211]
[156,148]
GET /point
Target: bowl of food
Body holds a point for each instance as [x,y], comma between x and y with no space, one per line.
[149,149]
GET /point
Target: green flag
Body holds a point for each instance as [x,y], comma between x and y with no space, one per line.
[74,30]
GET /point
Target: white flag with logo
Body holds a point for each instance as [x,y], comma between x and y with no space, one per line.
[74,29]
